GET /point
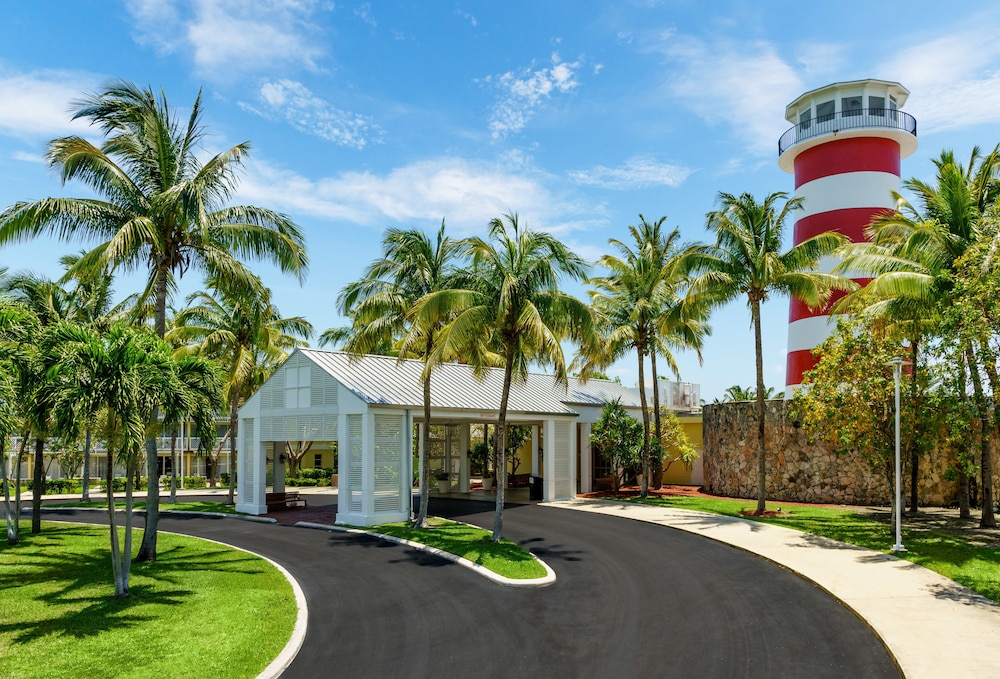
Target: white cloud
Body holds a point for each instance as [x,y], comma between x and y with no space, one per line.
[744,86]
[37,104]
[523,92]
[294,103]
[228,37]
[635,173]
[364,14]
[466,193]
[954,78]
[28,157]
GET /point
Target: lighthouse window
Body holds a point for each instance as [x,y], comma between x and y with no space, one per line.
[876,106]
[804,118]
[850,106]
[824,111]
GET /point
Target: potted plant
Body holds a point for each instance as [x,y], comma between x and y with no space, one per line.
[444,485]
[480,456]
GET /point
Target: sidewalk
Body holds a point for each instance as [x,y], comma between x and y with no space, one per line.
[932,626]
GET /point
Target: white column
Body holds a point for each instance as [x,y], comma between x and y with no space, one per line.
[277,455]
[463,451]
[586,459]
[368,465]
[548,472]
[534,450]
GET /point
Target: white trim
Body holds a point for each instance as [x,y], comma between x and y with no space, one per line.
[809,333]
[847,190]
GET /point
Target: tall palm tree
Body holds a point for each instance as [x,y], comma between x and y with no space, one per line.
[912,256]
[746,261]
[18,327]
[639,306]
[243,331]
[381,305]
[163,210]
[513,313]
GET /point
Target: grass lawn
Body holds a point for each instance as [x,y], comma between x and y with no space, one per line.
[220,507]
[504,558]
[201,610]
[977,567]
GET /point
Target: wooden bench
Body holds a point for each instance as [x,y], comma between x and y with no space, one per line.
[286,500]
[518,480]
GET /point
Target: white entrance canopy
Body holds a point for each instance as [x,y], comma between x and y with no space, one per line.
[368,405]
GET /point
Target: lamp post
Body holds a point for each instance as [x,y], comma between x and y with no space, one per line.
[897,364]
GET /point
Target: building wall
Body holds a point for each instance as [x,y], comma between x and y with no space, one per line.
[679,474]
[797,470]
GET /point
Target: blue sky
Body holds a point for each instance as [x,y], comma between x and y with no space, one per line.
[577,115]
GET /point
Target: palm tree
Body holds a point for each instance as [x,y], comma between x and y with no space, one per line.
[912,255]
[163,210]
[639,306]
[381,306]
[18,327]
[244,331]
[746,261]
[512,313]
[127,371]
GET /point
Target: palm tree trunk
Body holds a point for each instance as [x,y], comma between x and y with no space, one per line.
[116,562]
[987,518]
[127,550]
[761,448]
[963,478]
[38,486]
[234,423]
[87,441]
[657,426]
[17,491]
[425,462]
[985,425]
[640,350]
[5,476]
[147,551]
[500,443]
[173,465]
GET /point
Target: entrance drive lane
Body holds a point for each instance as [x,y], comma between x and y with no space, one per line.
[631,599]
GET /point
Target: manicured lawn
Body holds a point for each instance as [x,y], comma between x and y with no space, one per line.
[220,507]
[202,610]
[504,558]
[977,567]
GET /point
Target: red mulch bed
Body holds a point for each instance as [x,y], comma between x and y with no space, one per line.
[693,491]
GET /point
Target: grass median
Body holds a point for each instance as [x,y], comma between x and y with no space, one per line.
[201,610]
[504,558]
[951,554]
[219,507]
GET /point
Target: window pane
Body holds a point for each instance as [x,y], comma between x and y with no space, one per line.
[291,398]
[850,106]
[876,106]
[804,118]
[824,111]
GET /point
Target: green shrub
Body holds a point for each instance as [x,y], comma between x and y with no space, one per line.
[300,481]
[194,482]
[119,485]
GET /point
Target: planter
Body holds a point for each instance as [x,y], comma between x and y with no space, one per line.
[487,483]
[333,480]
[444,486]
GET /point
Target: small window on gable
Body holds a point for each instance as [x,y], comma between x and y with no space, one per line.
[298,392]
[824,111]
[850,106]
[876,106]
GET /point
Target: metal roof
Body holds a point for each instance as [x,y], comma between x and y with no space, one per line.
[385,380]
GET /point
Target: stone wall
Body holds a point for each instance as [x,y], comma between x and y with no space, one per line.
[800,471]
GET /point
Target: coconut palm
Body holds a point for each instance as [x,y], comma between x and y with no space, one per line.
[380,305]
[639,306]
[512,313]
[746,261]
[161,209]
[243,331]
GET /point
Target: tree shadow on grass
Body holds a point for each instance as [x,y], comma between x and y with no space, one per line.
[80,584]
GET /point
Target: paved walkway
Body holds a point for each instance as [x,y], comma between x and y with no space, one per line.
[933,627]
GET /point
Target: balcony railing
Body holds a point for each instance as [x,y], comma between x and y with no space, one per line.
[848,120]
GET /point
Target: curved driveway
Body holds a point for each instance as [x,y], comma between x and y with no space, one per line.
[631,599]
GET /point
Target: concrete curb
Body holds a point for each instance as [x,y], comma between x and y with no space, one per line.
[548,579]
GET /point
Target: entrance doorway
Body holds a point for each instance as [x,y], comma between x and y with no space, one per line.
[445,453]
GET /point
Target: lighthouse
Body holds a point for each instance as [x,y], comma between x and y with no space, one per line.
[844,151]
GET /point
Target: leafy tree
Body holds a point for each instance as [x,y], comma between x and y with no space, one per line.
[244,332]
[849,403]
[738,393]
[617,435]
[399,307]
[511,313]
[17,328]
[674,443]
[161,209]
[746,261]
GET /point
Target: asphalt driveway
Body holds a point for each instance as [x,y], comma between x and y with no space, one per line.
[632,599]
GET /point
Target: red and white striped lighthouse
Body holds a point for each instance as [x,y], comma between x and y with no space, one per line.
[844,152]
